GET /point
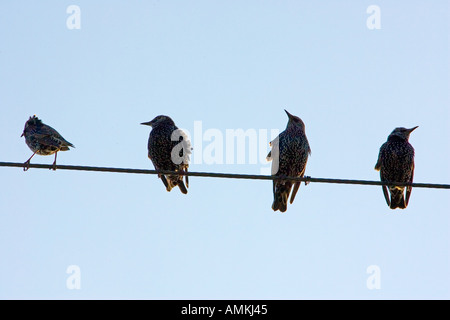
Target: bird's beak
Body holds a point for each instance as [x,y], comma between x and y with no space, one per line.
[149,123]
[412,129]
[22,134]
[289,115]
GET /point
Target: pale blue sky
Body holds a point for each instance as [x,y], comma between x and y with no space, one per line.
[230,65]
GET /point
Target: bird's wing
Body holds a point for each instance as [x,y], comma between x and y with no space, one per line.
[378,164]
[409,188]
[163,178]
[308,147]
[48,140]
[51,137]
[380,156]
[294,191]
[297,185]
[386,195]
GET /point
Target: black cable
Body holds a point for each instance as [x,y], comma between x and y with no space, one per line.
[226,175]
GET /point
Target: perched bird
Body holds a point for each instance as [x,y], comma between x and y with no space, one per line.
[43,140]
[289,155]
[396,164]
[169,149]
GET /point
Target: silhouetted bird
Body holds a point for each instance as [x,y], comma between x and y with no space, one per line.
[169,149]
[396,164]
[289,155]
[43,140]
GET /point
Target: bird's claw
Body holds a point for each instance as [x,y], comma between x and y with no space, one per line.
[307,181]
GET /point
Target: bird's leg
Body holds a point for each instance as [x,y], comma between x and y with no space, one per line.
[54,162]
[27,163]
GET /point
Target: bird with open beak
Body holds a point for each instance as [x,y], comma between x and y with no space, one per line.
[289,155]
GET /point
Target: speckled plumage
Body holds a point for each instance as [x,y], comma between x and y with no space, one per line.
[396,164]
[43,140]
[289,155]
[169,149]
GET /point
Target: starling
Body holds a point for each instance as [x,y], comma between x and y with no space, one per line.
[169,149]
[396,164]
[43,140]
[289,155]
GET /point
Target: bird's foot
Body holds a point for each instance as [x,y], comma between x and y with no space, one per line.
[26,165]
[53,167]
[307,181]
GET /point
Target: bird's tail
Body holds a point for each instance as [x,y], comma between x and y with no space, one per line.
[281,195]
[397,199]
[65,145]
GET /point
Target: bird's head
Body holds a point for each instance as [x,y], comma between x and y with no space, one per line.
[295,121]
[402,133]
[159,120]
[32,122]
